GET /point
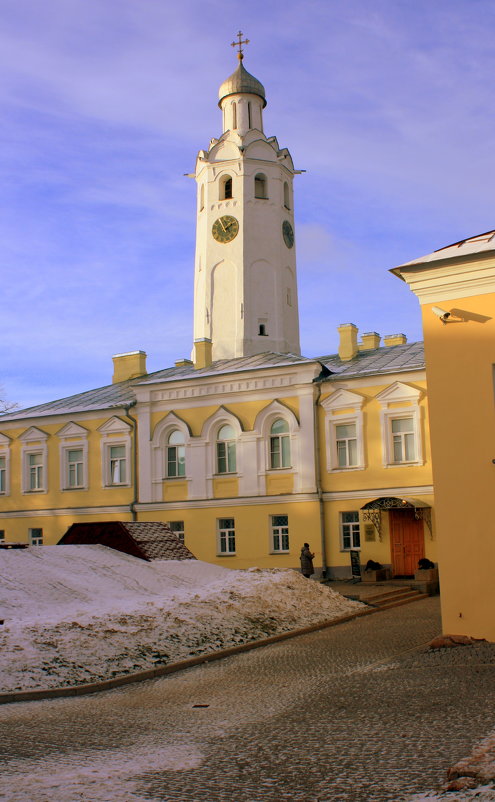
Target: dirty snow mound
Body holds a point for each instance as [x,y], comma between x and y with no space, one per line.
[76,614]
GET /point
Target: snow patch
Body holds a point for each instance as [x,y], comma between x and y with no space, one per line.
[77,614]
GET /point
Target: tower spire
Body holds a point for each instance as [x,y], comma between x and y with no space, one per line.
[239,44]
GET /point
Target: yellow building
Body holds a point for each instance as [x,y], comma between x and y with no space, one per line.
[456,288]
[250,450]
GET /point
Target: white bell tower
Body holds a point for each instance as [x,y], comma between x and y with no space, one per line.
[245,286]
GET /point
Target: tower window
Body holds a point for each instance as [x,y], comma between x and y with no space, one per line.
[226,188]
[260,190]
[249,114]
[234,116]
[262,330]
[202,198]
[286,195]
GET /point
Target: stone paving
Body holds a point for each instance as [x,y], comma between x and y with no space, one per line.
[353,713]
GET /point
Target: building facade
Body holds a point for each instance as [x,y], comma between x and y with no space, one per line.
[249,449]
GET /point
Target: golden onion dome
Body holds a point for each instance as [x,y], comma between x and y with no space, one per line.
[241,82]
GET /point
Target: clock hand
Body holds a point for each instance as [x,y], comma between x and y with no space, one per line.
[221,223]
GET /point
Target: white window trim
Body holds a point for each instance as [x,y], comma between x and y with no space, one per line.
[272,528]
[34,441]
[159,444]
[30,536]
[396,393]
[333,406]
[223,529]
[73,437]
[341,532]
[115,432]
[5,452]
[208,439]
[263,425]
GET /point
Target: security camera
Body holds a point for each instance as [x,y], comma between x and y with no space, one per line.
[441,313]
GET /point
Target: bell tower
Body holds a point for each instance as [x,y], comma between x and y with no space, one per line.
[245,286]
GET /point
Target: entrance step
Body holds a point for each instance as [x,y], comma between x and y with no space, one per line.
[394,598]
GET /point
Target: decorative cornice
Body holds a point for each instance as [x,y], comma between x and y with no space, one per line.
[121,509]
[344,495]
[249,501]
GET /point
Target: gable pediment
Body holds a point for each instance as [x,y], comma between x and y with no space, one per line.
[342,399]
[399,392]
[114,425]
[4,440]
[72,429]
[33,435]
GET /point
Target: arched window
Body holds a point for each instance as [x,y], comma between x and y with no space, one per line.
[279,444]
[286,195]
[176,455]
[234,116]
[202,197]
[226,461]
[260,186]
[249,114]
[225,188]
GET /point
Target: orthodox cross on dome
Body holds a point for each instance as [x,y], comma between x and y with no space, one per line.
[239,44]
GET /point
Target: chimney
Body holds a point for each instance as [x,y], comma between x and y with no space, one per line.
[202,353]
[395,339]
[369,341]
[128,366]
[348,346]
[181,363]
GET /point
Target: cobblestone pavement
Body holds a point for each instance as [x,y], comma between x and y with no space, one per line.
[357,712]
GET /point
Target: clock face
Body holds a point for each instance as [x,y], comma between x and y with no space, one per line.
[225,228]
[288,234]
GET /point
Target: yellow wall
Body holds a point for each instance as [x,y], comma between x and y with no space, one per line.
[252,529]
[375,475]
[460,359]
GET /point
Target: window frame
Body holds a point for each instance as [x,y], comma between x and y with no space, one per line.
[404,402]
[114,433]
[350,421]
[343,408]
[228,452]
[351,534]
[34,441]
[276,533]
[177,460]
[34,538]
[5,472]
[279,437]
[226,535]
[179,531]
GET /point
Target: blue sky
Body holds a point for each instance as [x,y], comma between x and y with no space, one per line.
[105,103]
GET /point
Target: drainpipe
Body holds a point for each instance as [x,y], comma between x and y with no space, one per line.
[135,482]
[316,429]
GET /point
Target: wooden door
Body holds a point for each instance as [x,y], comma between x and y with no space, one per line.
[406,541]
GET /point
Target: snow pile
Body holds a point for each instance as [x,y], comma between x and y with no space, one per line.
[76,614]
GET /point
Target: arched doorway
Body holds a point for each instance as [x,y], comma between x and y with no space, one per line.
[406,519]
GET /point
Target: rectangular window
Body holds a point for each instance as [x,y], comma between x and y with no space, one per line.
[226,536]
[280,533]
[177,528]
[35,471]
[403,440]
[35,537]
[3,474]
[75,467]
[346,444]
[118,465]
[2,535]
[226,461]
[349,530]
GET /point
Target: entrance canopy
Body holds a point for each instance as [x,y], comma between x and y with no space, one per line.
[372,510]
